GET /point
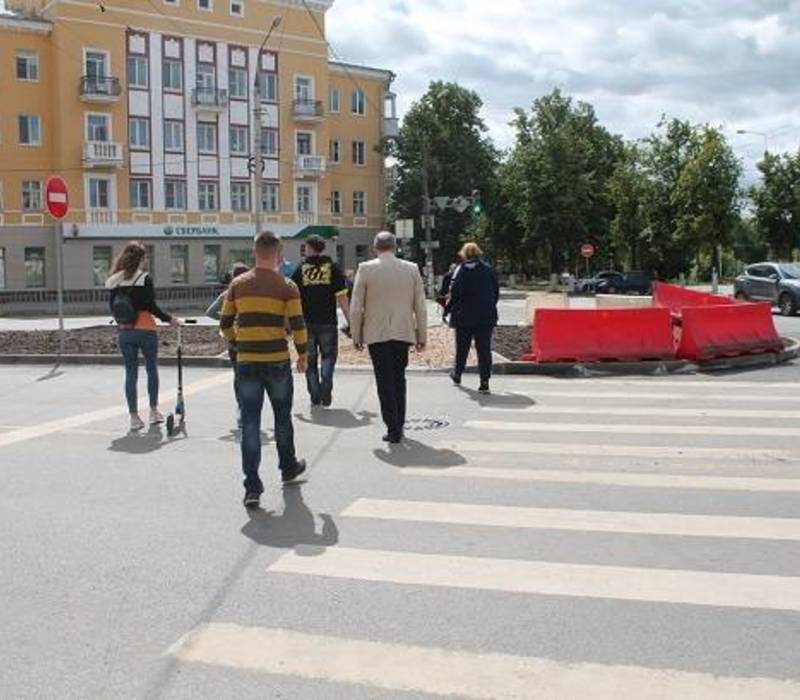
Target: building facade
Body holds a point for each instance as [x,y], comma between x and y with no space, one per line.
[147,108]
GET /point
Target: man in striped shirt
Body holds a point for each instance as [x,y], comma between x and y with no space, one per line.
[260,305]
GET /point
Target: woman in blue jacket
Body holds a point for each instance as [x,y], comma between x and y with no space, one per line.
[474,293]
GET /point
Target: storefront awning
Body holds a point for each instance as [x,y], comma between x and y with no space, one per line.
[326,232]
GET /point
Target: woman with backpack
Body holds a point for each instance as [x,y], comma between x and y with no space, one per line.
[134,308]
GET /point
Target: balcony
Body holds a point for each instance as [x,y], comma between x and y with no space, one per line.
[310,166]
[391,127]
[209,98]
[308,110]
[100,89]
[100,216]
[306,218]
[103,154]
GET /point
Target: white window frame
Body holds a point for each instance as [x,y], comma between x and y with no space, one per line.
[359,148]
[265,75]
[210,7]
[173,3]
[109,193]
[38,191]
[237,199]
[143,59]
[355,103]
[274,135]
[27,54]
[106,62]
[303,132]
[334,106]
[101,115]
[311,85]
[363,214]
[135,204]
[138,146]
[240,5]
[336,202]
[180,186]
[243,142]
[201,149]
[312,197]
[203,185]
[271,194]
[235,95]
[30,144]
[179,65]
[169,124]
[335,153]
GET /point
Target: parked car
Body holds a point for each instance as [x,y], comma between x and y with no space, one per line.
[619,283]
[588,286]
[777,283]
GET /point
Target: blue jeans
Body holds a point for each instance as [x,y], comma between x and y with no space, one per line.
[276,380]
[131,341]
[323,344]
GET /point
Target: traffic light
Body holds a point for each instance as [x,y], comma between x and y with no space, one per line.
[477,205]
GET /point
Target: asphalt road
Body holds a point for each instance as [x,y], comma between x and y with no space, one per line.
[561,539]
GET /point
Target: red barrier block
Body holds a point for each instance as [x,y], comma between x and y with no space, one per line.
[677,298]
[726,331]
[583,335]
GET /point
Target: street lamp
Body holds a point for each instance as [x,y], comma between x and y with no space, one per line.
[762,134]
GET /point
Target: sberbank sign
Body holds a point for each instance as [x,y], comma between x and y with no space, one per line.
[191,231]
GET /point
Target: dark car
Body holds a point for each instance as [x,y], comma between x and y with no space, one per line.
[623,283]
[777,283]
[588,286]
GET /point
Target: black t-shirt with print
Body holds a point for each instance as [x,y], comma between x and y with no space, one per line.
[321,283]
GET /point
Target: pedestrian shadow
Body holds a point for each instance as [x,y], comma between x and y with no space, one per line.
[411,453]
[295,528]
[140,443]
[235,435]
[510,401]
[337,418]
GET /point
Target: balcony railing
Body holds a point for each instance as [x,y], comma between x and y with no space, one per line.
[100,216]
[310,110]
[103,154]
[391,127]
[310,165]
[209,98]
[100,89]
[306,218]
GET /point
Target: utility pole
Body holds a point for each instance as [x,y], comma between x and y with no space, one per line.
[426,213]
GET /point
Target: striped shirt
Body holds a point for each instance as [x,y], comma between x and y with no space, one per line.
[259,307]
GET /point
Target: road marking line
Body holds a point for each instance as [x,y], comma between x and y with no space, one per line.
[651,411]
[62,424]
[549,578]
[673,524]
[657,481]
[537,449]
[436,671]
[627,396]
[653,383]
[629,429]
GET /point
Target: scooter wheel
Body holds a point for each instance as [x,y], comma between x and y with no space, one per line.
[170,425]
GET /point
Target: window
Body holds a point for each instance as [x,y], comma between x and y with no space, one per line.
[303,143]
[205,5]
[212,255]
[99,193]
[34,267]
[27,65]
[237,8]
[140,194]
[207,196]
[237,83]
[268,86]
[175,194]
[269,142]
[31,195]
[270,198]
[139,133]
[173,137]
[334,100]
[173,75]
[96,67]
[101,264]
[206,137]
[97,127]
[304,199]
[303,88]
[240,255]
[137,72]
[336,203]
[359,204]
[358,102]
[336,151]
[359,153]
[239,140]
[206,76]
[149,262]
[240,196]
[30,130]
[179,263]
[2,268]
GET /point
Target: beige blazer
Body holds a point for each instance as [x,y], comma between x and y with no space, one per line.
[388,303]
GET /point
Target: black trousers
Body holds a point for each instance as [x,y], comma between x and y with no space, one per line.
[389,362]
[482,335]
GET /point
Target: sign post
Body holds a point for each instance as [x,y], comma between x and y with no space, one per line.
[587,251]
[56,197]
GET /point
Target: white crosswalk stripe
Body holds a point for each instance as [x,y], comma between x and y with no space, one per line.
[653,412]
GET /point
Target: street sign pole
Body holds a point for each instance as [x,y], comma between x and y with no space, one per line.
[426,210]
[60,286]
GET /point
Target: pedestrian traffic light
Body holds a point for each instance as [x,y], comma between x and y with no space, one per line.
[477,205]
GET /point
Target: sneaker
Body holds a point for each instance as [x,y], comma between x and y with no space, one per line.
[455,378]
[484,388]
[155,416]
[327,400]
[292,474]
[252,500]
[393,439]
[136,423]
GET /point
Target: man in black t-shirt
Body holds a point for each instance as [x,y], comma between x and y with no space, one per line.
[322,286]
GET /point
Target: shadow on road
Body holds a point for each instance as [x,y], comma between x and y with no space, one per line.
[139,443]
[411,453]
[512,401]
[295,528]
[337,418]
[235,435]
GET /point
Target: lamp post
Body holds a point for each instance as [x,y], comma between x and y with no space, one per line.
[762,134]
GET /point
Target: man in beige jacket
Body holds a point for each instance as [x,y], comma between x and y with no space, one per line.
[388,314]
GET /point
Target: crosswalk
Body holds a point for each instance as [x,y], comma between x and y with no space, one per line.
[729,477]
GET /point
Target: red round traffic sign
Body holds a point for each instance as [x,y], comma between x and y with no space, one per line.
[587,250]
[56,197]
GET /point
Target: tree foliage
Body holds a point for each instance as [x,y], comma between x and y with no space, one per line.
[777,203]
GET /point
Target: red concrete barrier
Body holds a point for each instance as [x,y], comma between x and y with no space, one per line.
[578,335]
[726,331]
[675,298]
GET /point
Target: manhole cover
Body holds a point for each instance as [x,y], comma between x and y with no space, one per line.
[418,424]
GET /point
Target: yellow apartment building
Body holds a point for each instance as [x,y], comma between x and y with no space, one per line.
[147,109]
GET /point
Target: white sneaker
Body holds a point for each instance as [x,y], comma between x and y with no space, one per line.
[136,422]
[155,416]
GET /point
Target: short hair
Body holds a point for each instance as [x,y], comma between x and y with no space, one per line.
[267,243]
[470,251]
[385,241]
[239,268]
[316,243]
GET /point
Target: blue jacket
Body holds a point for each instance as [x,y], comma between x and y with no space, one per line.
[474,293]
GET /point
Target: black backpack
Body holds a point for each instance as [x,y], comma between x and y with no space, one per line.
[122,308]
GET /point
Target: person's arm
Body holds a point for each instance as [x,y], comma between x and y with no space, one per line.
[340,290]
[357,309]
[215,310]
[420,311]
[496,286]
[297,326]
[149,301]
[227,317]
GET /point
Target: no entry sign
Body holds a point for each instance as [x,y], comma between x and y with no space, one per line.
[56,197]
[587,250]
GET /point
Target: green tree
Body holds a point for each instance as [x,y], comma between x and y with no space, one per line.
[777,203]
[630,191]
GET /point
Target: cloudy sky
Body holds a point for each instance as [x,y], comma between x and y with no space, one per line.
[734,63]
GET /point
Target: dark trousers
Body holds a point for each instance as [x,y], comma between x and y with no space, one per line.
[131,342]
[482,335]
[323,350]
[389,362]
[277,381]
